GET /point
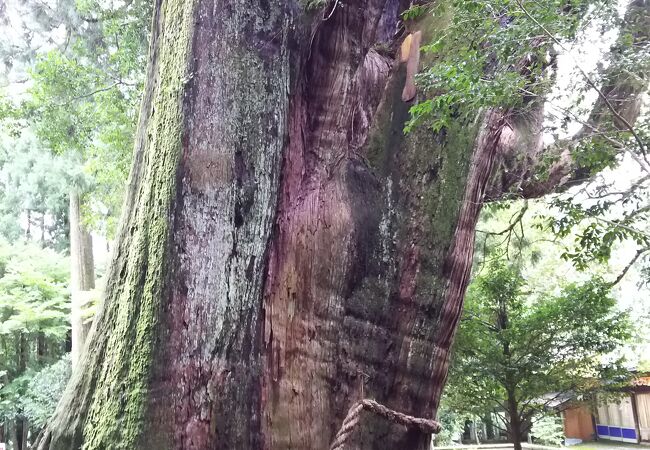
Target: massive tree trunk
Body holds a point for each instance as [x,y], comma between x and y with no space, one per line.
[82,275]
[285,249]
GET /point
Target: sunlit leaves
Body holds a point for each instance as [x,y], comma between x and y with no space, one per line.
[34,318]
[487,54]
[414,12]
[44,390]
[596,234]
[34,187]
[35,394]
[84,100]
[33,291]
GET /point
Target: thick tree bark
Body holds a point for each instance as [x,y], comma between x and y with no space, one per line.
[285,249]
[82,276]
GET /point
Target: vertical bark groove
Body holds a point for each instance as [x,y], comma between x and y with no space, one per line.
[318,246]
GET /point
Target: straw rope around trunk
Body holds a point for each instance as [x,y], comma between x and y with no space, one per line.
[428,426]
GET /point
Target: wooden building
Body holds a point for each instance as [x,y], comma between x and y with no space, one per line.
[615,420]
[641,394]
[628,419]
[578,422]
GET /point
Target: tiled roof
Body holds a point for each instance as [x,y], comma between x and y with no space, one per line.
[641,381]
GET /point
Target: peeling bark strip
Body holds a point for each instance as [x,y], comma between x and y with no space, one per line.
[459,263]
[413,61]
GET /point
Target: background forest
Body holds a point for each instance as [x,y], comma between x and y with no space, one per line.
[72,76]
[571,268]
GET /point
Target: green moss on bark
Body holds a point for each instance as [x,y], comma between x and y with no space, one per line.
[428,170]
[115,418]
[104,407]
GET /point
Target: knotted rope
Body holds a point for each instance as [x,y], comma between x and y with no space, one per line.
[354,414]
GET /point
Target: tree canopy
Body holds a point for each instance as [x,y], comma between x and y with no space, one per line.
[522,357]
[538,329]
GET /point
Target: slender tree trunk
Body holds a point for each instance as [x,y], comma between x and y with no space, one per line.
[28,230]
[514,425]
[475,429]
[285,250]
[41,347]
[489,427]
[14,434]
[21,365]
[19,442]
[82,275]
[25,433]
[42,227]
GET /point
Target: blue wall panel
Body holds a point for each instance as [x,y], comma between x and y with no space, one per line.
[615,432]
[629,433]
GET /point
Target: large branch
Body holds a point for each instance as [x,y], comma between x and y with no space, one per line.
[528,169]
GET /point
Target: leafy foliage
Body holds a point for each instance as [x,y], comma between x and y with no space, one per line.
[33,291]
[512,352]
[534,329]
[548,430]
[34,313]
[505,55]
[83,100]
[44,391]
[491,55]
[34,191]
[602,224]
[453,424]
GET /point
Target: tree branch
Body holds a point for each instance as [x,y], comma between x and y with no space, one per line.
[590,82]
[620,276]
[528,158]
[90,94]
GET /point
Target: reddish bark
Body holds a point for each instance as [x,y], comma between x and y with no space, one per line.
[347,310]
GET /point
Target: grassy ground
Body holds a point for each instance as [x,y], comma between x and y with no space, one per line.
[605,445]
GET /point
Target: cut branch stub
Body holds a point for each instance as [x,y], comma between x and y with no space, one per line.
[412,63]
